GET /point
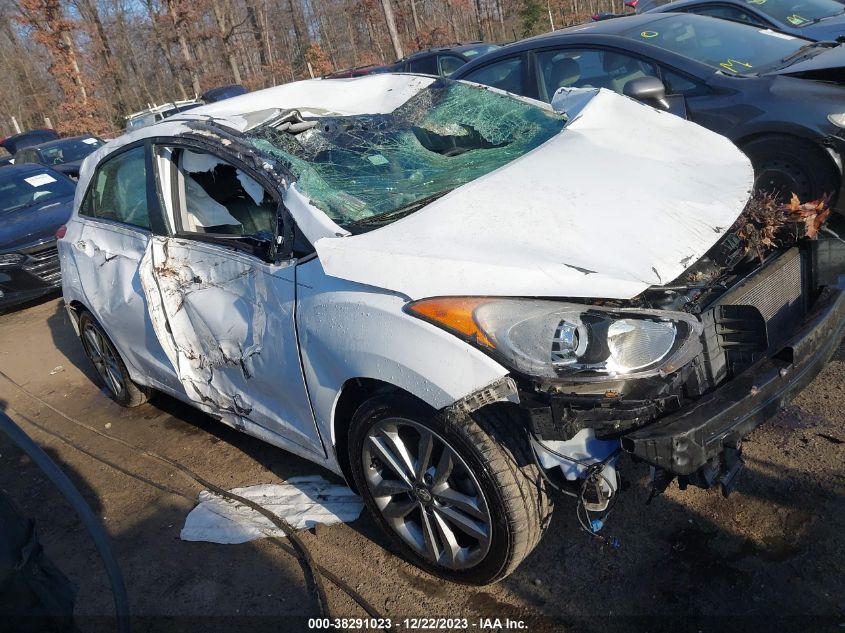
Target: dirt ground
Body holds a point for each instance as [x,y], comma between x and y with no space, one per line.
[772,552]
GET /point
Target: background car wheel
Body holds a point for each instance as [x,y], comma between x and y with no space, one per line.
[109,365]
[459,497]
[784,165]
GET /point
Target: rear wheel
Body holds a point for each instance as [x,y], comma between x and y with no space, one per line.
[784,165]
[458,497]
[109,365]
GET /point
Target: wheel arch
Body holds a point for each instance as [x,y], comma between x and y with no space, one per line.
[797,134]
[352,395]
[817,145]
[75,308]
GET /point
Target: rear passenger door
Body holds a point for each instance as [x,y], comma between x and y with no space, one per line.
[108,243]
[222,303]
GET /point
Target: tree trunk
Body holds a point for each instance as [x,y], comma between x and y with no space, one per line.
[225,36]
[165,49]
[257,33]
[478,21]
[391,28]
[88,10]
[303,41]
[187,58]
[67,44]
[416,21]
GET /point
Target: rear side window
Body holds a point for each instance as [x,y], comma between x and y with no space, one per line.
[505,75]
[424,65]
[678,84]
[26,156]
[118,190]
[449,64]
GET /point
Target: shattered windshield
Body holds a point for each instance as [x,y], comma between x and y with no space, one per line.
[373,169]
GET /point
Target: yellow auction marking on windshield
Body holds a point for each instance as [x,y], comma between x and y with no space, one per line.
[732,63]
[649,34]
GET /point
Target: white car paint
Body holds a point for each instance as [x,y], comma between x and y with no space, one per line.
[623,198]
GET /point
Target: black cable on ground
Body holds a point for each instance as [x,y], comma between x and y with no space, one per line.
[75,499]
[328,574]
[298,548]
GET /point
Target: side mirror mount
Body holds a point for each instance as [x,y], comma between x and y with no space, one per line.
[649,90]
[281,249]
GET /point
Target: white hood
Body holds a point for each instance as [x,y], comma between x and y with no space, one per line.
[624,198]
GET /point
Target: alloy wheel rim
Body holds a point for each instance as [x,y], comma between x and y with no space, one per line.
[104,359]
[427,493]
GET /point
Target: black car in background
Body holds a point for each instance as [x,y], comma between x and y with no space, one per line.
[819,20]
[441,61]
[64,155]
[781,99]
[34,202]
[222,92]
[32,137]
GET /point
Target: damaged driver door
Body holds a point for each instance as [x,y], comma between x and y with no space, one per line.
[221,306]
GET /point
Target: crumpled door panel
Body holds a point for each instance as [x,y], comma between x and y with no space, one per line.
[226,322]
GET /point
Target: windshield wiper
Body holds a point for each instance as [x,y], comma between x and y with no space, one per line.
[824,17]
[804,51]
[401,212]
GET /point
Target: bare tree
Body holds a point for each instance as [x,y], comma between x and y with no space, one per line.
[391,28]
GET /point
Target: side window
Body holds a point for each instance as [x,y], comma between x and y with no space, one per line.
[214,197]
[505,74]
[425,65]
[678,84]
[449,64]
[118,190]
[727,13]
[590,68]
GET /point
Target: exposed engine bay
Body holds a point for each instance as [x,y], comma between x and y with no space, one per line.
[761,283]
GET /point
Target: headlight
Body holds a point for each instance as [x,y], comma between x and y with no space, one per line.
[548,339]
[837,119]
[12,259]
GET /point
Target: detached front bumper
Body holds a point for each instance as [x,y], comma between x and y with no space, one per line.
[684,441]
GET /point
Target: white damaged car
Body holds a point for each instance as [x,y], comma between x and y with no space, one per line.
[458,300]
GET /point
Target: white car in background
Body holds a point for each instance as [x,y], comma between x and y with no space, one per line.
[454,298]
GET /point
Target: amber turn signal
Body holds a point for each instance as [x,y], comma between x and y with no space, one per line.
[454,314]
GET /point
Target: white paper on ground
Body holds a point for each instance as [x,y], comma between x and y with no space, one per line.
[302,501]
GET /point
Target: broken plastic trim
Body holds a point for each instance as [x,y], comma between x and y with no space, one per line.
[503,390]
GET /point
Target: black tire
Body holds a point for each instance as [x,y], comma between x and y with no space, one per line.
[493,445]
[784,165]
[130,394]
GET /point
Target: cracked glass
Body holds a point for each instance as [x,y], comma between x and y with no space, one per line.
[372,169]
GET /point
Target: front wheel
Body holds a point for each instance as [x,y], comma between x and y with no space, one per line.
[458,497]
[784,165]
[109,365]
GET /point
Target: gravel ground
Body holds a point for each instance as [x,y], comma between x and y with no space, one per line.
[772,552]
